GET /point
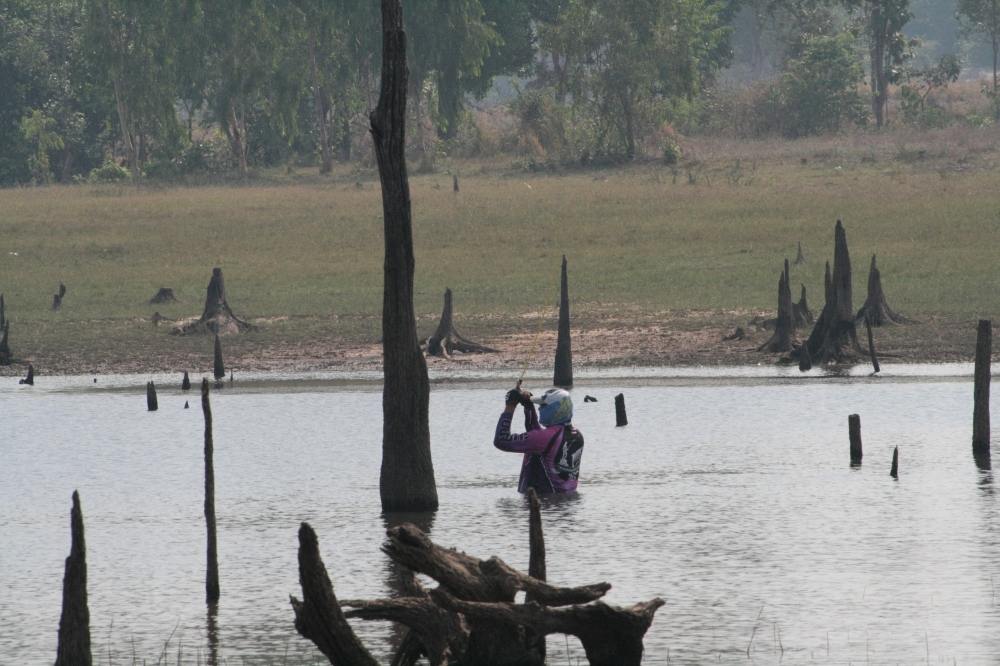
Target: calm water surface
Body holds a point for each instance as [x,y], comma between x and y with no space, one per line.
[729,494]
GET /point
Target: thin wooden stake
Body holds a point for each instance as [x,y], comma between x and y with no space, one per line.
[151,403]
[854,430]
[212,573]
[894,472]
[981,392]
[621,419]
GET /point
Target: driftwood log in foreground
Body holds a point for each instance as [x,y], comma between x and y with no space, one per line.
[217,316]
[447,340]
[74,624]
[471,617]
[876,310]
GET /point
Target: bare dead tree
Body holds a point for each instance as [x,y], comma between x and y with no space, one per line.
[406,481]
[802,316]
[212,549]
[447,339]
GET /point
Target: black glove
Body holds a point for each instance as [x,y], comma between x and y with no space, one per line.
[525,398]
[514,397]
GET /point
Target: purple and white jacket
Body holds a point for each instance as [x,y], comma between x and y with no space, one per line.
[551,455]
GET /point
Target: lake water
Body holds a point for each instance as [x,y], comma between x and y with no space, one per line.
[729,494]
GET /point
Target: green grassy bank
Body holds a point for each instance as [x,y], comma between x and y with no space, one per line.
[644,238]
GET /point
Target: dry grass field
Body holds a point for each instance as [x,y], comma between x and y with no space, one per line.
[663,260]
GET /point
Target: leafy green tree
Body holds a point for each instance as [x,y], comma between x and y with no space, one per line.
[620,62]
[982,17]
[39,130]
[819,88]
[882,24]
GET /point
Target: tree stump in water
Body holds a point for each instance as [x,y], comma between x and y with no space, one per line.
[834,338]
[164,295]
[74,624]
[471,617]
[563,374]
[5,355]
[781,339]
[854,433]
[981,390]
[447,340]
[876,310]
[30,378]
[212,551]
[894,470]
[186,382]
[217,317]
[151,403]
[621,418]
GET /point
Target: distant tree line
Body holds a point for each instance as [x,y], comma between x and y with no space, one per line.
[126,89]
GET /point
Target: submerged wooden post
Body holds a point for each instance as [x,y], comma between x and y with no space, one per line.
[894,472]
[186,382]
[536,560]
[563,375]
[212,571]
[74,624]
[620,417]
[981,392]
[220,368]
[854,432]
[151,404]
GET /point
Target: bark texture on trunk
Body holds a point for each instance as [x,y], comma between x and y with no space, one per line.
[563,375]
[407,476]
[74,624]
[218,366]
[781,339]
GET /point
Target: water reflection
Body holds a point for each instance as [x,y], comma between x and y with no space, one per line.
[212,632]
[399,579]
[983,461]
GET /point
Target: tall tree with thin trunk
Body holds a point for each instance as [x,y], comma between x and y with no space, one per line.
[982,17]
[882,25]
[407,476]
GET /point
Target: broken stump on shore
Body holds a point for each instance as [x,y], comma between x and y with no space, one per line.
[446,339]
[875,309]
[471,617]
[57,298]
[217,317]
[186,382]
[164,295]
[781,339]
[29,379]
[73,647]
[6,358]
[151,404]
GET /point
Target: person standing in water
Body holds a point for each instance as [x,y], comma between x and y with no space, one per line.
[552,447]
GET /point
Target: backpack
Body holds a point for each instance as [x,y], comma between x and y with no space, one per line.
[569,453]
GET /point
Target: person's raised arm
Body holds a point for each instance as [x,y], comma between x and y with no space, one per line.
[532,441]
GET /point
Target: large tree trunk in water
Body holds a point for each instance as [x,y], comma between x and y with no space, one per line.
[74,624]
[563,375]
[447,340]
[407,477]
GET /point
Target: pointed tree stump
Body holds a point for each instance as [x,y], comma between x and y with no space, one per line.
[186,382]
[406,481]
[876,310]
[834,338]
[217,317]
[57,298]
[781,339]
[894,470]
[802,316]
[447,340]
[3,314]
[799,257]
[74,624]
[5,356]
[563,375]
[29,379]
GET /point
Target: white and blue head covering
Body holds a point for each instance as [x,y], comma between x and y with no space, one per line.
[555,407]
